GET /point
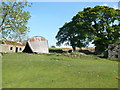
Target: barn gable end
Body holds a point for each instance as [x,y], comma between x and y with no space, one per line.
[37,44]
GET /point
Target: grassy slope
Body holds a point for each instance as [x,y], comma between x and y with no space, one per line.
[51,71]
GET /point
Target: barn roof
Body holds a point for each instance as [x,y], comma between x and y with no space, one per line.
[37,38]
[11,43]
[37,44]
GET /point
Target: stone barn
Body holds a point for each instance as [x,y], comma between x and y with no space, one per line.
[114,50]
[37,44]
[7,46]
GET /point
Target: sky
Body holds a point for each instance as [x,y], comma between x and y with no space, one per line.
[48,17]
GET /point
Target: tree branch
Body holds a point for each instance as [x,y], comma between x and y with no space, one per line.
[3,20]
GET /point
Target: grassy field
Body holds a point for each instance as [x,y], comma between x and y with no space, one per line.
[58,71]
[0,71]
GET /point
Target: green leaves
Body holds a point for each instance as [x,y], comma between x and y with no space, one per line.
[99,24]
[14,19]
[103,31]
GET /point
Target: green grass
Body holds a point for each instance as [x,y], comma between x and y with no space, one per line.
[58,71]
[0,71]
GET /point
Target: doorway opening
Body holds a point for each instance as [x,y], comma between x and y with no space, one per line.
[16,50]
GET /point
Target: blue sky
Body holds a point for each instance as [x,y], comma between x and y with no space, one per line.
[48,17]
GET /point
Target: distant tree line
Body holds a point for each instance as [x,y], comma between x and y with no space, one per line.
[99,25]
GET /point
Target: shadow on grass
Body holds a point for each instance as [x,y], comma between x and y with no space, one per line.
[87,52]
[100,56]
[114,59]
[111,59]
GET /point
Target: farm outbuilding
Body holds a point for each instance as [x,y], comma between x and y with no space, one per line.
[114,50]
[37,44]
[8,46]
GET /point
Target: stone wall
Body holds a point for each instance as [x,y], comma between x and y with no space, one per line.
[114,50]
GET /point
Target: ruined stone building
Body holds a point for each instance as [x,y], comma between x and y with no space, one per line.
[8,46]
[114,50]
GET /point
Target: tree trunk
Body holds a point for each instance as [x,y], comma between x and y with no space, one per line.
[74,48]
[98,50]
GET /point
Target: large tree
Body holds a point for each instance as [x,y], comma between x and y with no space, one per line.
[66,35]
[104,24]
[14,19]
[99,25]
[72,35]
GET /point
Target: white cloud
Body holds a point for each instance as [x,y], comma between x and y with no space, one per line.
[115,7]
[104,4]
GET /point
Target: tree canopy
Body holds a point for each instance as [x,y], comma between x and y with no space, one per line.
[14,19]
[99,25]
[70,34]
